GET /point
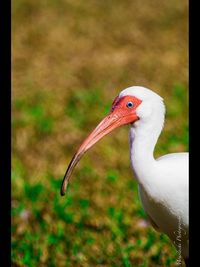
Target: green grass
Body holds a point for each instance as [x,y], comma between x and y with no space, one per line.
[70,59]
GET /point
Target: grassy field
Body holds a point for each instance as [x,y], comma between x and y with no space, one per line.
[70,58]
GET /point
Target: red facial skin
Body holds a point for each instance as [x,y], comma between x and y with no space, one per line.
[120,114]
[119,108]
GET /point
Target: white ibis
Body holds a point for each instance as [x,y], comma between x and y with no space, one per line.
[163,182]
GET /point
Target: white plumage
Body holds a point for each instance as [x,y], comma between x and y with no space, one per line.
[163,182]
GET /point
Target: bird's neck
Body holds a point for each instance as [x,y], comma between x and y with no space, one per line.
[143,138]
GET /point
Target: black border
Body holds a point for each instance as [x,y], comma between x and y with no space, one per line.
[5,131]
[194,132]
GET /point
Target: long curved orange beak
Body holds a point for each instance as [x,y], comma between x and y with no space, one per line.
[113,120]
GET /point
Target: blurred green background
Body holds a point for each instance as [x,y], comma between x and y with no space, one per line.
[70,58]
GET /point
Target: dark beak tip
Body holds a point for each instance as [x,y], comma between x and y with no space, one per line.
[63,189]
[62,193]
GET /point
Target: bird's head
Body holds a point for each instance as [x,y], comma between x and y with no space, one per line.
[131,105]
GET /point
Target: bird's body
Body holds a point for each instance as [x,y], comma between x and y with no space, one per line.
[165,199]
[163,182]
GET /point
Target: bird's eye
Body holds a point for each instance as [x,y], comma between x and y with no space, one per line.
[129,104]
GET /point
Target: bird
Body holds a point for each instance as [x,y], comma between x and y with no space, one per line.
[162,182]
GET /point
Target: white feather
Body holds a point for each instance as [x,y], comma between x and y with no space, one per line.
[163,182]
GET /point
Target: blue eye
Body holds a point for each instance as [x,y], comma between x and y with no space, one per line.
[129,104]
